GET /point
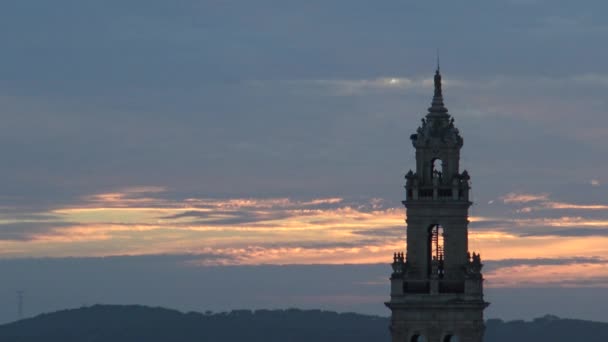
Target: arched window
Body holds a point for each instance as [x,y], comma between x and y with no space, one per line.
[418,338]
[437,242]
[436,168]
[451,338]
[435,250]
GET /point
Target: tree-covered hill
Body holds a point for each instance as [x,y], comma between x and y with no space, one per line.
[107,323]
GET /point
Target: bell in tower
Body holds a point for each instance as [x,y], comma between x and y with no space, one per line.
[437,286]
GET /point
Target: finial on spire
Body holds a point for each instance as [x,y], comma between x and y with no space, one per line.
[438,65]
[438,91]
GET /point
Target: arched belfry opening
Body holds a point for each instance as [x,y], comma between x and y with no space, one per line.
[436,251]
[437,285]
[451,338]
[436,169]
[418,338]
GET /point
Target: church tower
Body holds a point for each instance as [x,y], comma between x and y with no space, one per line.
[436,287]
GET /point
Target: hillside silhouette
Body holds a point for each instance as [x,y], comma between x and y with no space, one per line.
[111,323]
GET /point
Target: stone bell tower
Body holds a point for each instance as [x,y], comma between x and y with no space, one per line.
[436,287]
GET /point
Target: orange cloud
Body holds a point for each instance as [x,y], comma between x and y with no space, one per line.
[523,198]
[333,230]
[544,202]
[562,205]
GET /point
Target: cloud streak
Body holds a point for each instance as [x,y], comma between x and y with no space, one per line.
[543,202]
[151,220]
[351,87]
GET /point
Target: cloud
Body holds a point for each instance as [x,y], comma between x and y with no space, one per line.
[353,87]
[543,202]
[576,274]
[29,230]
[267,145]
[543,226]
[145,220]
[562,205]
[514,197]
[290,132]
[494,265]
[397,232]
[150,220]
[567,232]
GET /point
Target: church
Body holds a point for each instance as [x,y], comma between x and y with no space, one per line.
[437,285]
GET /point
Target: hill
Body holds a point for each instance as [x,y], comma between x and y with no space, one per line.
[108,323]
[104,323]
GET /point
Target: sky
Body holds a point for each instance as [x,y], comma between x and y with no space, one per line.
[259,143]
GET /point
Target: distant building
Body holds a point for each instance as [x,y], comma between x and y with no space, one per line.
[437,286]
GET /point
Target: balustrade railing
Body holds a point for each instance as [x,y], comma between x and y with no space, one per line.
[437,192]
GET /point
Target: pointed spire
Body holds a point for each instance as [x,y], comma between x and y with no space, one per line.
[437,105]
[438,68]
[438,92]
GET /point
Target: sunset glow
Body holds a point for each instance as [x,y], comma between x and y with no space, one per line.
[250,231]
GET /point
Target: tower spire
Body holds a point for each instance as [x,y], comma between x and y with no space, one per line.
[437,105]
[437,288]
[438,68]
